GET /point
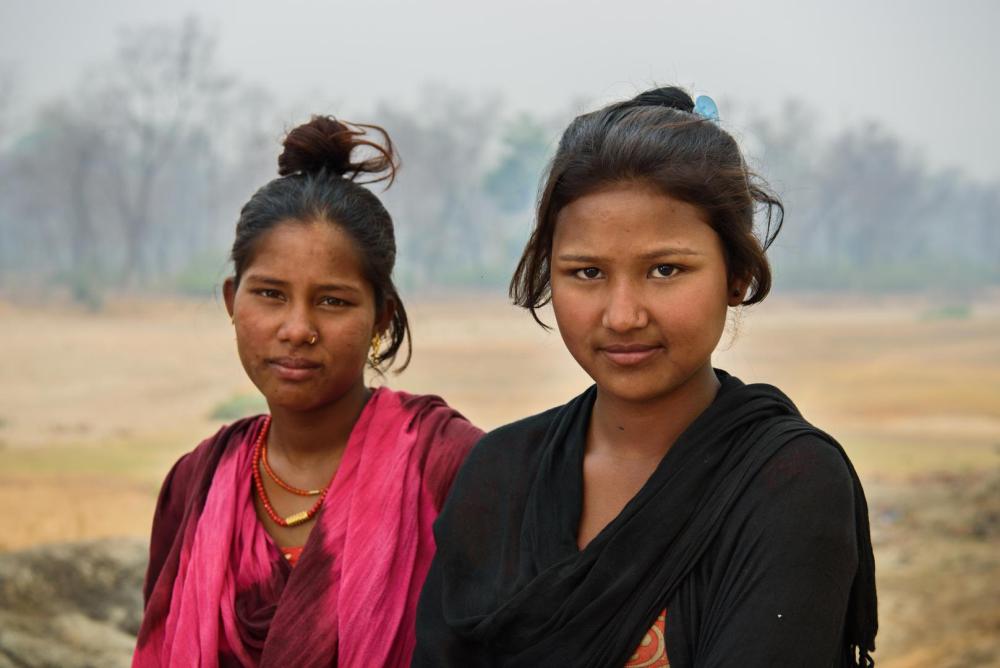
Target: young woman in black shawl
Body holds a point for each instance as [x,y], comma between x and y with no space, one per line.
[671,514]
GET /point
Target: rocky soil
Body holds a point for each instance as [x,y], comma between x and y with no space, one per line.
[71,605]
[937,551]
[936,541]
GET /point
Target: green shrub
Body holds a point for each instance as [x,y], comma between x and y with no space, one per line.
[948,312]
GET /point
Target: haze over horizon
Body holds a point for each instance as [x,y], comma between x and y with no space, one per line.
[922,73]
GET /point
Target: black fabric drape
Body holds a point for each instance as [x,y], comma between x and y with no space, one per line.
[509,586]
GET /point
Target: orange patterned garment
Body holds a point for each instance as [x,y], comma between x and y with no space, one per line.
[292,554]
[652,651]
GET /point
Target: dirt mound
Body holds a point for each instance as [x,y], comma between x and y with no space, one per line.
[71,605]
[936,538]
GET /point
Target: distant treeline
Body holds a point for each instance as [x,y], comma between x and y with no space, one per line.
[134,180]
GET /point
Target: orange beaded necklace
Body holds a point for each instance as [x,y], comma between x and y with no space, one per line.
[281,483]
[259,457]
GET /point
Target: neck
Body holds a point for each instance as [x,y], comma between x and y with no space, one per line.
[646,430]
[305,436]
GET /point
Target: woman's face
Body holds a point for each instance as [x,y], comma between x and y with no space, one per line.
[304,283]
[639,290]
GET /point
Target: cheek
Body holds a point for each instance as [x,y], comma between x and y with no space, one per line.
[576,316]
[356,340]
[697,316]
[252,334]
[350,338]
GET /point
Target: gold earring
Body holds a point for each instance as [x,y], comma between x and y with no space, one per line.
[376,344]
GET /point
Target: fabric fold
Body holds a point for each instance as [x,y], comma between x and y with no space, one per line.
[225,595]
[528,601]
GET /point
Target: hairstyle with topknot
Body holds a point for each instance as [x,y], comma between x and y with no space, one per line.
[322,179]
[654,139]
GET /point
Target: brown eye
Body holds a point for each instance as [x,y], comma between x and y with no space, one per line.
[588,273]
[663,271]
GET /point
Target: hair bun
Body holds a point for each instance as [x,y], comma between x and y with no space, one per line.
[324,143]
[668,96]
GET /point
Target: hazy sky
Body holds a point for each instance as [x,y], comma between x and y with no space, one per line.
[928,70]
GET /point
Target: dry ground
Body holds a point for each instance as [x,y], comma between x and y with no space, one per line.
[94,408]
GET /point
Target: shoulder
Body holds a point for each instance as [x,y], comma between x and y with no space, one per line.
[443,435]
[495,478]
[227,436]
[516,441]
[804,461]
[807,459]
[804,492]
[438,424]
[505,456]
[795,522]
[192,466]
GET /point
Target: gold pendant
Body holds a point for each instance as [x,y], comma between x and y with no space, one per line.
[297,518]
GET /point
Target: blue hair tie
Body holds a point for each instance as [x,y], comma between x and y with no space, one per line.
[705,107]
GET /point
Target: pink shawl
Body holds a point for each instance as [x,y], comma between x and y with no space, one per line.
[218,590]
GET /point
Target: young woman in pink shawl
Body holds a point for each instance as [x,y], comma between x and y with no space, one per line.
[302,537]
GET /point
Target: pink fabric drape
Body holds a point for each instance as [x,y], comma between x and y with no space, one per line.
[351,599]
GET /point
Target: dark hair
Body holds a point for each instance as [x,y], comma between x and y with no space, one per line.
[656,139]
[318,181]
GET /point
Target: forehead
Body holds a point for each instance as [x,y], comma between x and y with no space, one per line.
[311,250]
[631,217]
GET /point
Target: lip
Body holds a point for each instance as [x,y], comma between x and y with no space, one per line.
[630,354]
[294,368]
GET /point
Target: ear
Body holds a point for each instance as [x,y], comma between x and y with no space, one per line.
[384,319]
[738,290]
[229,294]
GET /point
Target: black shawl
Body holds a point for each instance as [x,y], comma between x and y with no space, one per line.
[752,532]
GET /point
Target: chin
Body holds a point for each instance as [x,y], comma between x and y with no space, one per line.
[291,396]
[293,403]
[633,392]
[636,388]
[642,385]
[307,396]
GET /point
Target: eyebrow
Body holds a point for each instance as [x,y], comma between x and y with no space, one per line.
[651,255]
[326,287]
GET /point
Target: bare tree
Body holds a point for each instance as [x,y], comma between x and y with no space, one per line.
[140,173]
[443,215]
[866,213]
[155,97]
[7,92]
[6,103]
[74,144]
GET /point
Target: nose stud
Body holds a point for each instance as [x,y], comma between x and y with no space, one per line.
[313,339]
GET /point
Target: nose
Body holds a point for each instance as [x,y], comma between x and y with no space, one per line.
[625,310]
[297,328]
